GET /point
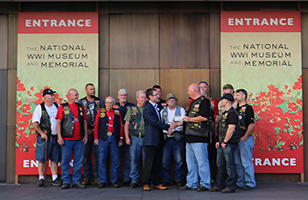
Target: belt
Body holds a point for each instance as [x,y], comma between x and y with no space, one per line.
[110,133]
[138,135]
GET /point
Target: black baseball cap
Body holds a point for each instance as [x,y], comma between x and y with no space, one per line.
[228,96]
[48,91]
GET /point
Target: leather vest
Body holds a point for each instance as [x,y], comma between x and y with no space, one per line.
[223,127]
[201,129]
[67,123]
[45,124]
[103,124]
[135,121]
[85,104]
[242,120]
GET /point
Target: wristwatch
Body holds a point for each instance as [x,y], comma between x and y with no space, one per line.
[224,142]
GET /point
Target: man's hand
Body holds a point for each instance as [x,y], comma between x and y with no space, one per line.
[127,140]
[85,139]
[96,141]
[217,145]
[223,145]
[170,131]
[60,140]
[120,143]
[173,125]
[186,119]
[243,139]
[44,136]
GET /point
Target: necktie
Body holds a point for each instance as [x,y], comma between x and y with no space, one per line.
[157,112]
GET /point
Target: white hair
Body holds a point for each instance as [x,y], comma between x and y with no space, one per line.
[122,90]
[138,92]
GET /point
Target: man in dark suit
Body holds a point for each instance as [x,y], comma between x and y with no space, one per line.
[153,142]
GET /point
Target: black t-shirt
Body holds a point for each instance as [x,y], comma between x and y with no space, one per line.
[250,115]
[232,118]
[204,111]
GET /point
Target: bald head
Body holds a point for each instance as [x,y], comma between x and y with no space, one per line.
[193,91]
[72,95]
[109,102]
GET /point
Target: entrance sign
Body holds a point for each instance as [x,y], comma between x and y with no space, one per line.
[57,50]
[261,52]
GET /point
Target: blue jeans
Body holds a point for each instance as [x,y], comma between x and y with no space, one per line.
[110,145]
[126,168]
[67,148]
[87,162]
[175,149]
[53,149]
[136,149]
[244,165]
[226,175]
[197,160]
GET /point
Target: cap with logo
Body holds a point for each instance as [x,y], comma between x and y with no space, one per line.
[48,91]
[170,95]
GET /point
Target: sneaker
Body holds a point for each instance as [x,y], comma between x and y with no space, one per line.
[202,189]
[214,189]
[227,190]
[86,182]
[65,186]
[247,187]
[133,185]
[56,182]
[40,183]
[79,186]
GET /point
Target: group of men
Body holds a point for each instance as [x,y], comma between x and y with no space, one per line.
[217,139]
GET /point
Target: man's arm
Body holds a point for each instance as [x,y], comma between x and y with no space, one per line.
[85,138]
[150,118]
[126,131]
[248,131]
[60,139]
[40,131]
[230,131]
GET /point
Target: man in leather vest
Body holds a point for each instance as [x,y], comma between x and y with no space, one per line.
[45,123]
[243,154]
[91,105]
[108,135]
[197,130]
[228,139]
[134,133]
[174,143]
[72,134]
[122,105]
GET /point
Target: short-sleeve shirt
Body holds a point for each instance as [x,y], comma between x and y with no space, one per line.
[74,109]
[51,111]
[128,118]
[249,114]
[123,109]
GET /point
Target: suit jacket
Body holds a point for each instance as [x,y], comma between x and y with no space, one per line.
[153,135]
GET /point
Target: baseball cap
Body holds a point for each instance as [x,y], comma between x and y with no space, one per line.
[227,86]
[170,95]
[48,91]
[228,96]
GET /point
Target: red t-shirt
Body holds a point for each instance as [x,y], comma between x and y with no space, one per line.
[74,109]
[110,128]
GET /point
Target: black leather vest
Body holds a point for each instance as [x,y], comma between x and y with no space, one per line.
[67,123]
[201,129]
[45,124]
[103,124]
[97,103]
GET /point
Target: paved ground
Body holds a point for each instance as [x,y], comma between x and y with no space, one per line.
[264,191]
